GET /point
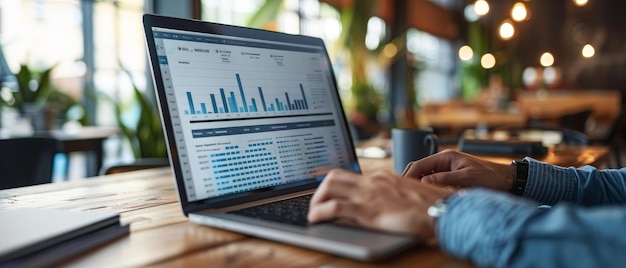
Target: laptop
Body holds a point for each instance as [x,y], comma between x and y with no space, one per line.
[253,122]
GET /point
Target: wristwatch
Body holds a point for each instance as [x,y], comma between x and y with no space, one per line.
[520,178]
[437,209]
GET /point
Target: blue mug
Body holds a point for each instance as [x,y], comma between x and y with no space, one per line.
[411,144]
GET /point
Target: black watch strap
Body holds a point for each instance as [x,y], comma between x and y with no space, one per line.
[521,177]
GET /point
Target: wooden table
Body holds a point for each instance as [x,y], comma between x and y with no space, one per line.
[162,236]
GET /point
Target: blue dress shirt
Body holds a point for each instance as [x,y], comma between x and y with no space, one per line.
[586,226]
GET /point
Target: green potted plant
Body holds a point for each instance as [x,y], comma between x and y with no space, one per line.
[142,131]
[145,135]
[37,99]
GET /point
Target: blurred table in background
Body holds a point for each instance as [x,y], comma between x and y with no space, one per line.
[453,117]
[88,140]
[605,106]
[560,155]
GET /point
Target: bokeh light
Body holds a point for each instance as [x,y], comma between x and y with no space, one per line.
[466,53]
[588,51]
[487,61]
[481,7]
[519,12]
[546,59]
[506,30]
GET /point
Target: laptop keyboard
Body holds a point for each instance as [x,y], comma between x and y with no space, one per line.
[290,211]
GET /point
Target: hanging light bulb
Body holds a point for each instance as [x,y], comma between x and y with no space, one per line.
[506,30]
[546,59]
[481,7]
[487,61]
[588,51]
[580,3]
[466,53]
[519,12]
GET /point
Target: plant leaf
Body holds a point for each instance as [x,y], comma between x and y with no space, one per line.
[44,86]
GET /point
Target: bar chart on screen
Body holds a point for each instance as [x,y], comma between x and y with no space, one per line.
[214,81]
[229,101]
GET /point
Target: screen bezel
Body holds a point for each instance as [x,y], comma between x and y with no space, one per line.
[150,21]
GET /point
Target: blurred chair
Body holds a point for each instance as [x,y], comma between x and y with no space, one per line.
[573,137]
[138,164]
[572,127]
[576,121]
[616,138]
[26,161]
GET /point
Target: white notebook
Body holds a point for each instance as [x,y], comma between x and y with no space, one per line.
[36,231]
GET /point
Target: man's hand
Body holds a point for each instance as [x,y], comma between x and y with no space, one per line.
[382,201]
[453,168]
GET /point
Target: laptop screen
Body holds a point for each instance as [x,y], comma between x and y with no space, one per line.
[244,113]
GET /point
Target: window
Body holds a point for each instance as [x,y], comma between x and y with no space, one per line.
[435,55]
[42,34]
[119,44]
[49,33]
[59,33]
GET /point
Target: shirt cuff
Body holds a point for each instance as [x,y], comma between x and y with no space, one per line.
[548,184]
[482,225]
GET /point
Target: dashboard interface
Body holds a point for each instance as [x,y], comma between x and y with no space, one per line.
[249,114]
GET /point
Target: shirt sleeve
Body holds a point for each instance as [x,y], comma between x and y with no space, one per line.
[495,229]
[587,186]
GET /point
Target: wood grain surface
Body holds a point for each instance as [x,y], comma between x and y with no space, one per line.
[161,236]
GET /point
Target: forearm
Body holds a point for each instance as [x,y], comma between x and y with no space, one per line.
[548,184]
[479,225]
[498,230]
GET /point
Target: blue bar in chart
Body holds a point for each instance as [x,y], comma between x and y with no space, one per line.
[190,100]
[262,99]
[214,103]
[243,96]
[289,107]
[253,106]
[231,101]
[306,106]
[225,107]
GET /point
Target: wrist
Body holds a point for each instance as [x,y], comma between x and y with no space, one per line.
[437,209]
[508,177]
[434,212]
